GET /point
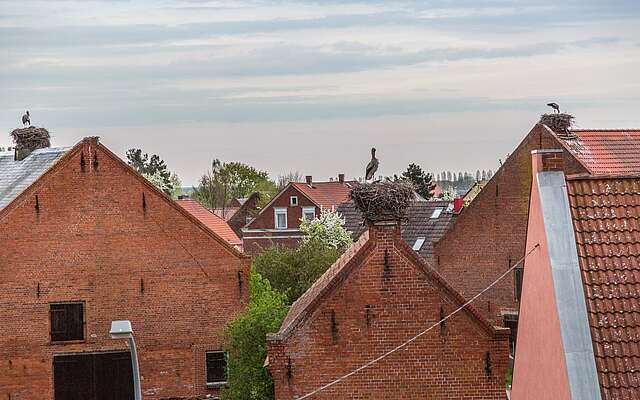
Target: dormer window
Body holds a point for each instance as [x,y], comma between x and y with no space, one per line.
[280,218]
[293,201]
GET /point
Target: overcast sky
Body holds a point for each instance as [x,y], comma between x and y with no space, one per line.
[311,86]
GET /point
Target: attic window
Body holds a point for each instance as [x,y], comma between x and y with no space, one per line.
[293,200]
[436,212]
[449,208]
[66,321]
[418,244]
[216,363]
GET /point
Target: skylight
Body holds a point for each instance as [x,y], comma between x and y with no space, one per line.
[437,212]
[418,244]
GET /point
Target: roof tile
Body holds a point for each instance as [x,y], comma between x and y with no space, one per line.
[606,152]
[211,220]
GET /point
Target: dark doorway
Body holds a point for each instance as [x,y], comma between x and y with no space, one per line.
[93,376]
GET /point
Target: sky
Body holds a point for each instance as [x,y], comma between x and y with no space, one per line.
[311,86]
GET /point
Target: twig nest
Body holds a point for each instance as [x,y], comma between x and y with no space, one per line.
[559,123]
[383,201]
[31,138]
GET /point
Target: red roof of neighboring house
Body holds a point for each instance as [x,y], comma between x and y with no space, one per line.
[606,215]
[211,220]
[606,151]
[327,195]
[226,213]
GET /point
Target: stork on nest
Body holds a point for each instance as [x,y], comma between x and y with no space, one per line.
[383,201]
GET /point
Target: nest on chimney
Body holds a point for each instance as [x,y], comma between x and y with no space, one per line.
[383,201]
[559,123]
[31,138]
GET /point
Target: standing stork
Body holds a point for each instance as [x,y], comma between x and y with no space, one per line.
[555,106]
[372,167]
[25,119]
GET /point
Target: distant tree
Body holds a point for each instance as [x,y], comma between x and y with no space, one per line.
[478,175]
[449,176]
[460,178]
[422,181]
[245,342]
[291,176]
[489,174]
[227,181]
[153,168]
[484,175]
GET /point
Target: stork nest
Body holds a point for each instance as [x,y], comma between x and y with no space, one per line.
[383,201]
[31,138]
[559,123]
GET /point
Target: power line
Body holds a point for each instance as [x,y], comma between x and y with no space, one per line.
[375,360]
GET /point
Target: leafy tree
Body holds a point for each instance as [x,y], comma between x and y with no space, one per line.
[248,378]
[293,270]
[226,181]
[422,181]
[153,168]
[328,229]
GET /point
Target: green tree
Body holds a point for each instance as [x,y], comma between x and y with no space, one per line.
[226,181]
[248,378]
[294,270]
[153,168]
[422,181]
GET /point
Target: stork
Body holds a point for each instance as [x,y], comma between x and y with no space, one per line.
[372,167]
[25,119]
[555,106]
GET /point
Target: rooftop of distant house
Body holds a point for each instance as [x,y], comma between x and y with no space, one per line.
[211,220]
[328,194]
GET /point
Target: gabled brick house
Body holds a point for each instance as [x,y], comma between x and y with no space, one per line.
[84,240]
[580,329]
[489,236]
[379,294]
[279,221]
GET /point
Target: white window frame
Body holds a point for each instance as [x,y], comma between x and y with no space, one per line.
[280,210]
[293,201]
[305,210]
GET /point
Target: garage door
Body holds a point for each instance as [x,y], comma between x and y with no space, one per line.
[93,376]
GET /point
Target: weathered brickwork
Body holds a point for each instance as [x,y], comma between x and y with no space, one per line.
[489,236]
[371,307]
[106,237]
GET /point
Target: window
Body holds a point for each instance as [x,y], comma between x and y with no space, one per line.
[308,213]
[436,212]
[216,368]
[67,321]
[418,244]
[281,218]
[293,200]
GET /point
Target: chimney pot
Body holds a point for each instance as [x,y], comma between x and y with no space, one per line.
[309,179]
[341,178]
[458,202]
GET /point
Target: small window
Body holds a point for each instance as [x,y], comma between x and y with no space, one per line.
[418,244]
[281,218]
[308,213]
[449,209]
[216,368]
[293,200]
[436,213]
[67,321]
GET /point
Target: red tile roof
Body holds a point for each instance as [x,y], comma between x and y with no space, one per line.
[606,215]
[226,213]
[211,220]
[606,151]
[327,195]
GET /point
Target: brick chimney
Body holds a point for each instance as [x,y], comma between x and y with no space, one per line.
[309,179]
[341,178]
[547,160]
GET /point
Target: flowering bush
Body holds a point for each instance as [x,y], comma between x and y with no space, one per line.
[327,229]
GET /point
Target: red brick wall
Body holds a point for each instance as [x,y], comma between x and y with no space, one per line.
[266,218]
[92,241]
[402,303]
[490,233]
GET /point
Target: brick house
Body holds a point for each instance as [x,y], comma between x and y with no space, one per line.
[279,221]
[240,212]
[580,330]
[489,236]
[84,240]
[379,294]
